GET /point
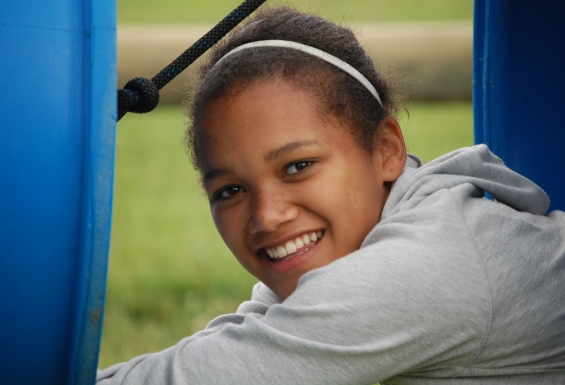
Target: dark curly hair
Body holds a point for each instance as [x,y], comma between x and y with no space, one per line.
[337,92]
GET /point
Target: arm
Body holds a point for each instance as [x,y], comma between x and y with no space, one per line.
[261,299]
[388,308]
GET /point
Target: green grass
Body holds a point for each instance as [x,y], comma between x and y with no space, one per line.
[212,11]
[169,271]
[434,129]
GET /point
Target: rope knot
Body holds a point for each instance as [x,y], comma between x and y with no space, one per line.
[139,95]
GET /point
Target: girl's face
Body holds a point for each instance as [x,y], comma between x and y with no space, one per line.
[291,191]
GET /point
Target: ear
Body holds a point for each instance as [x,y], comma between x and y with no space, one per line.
[390,152]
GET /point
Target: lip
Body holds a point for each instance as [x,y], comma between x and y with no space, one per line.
[294,262]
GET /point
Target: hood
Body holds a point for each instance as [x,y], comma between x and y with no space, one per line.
[475,165]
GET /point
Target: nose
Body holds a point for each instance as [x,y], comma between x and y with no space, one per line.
[269,211]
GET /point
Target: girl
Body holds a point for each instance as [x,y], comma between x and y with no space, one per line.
[372,266]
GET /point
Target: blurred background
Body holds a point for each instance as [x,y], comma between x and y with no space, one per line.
[170,272]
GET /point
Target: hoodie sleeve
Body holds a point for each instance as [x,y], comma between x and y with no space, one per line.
[261,299]
[410,302]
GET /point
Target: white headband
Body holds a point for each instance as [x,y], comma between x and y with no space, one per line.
[314,52]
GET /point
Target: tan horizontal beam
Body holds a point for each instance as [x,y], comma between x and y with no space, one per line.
[433,58]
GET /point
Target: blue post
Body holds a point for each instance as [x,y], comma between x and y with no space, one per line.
[519,87]
[57,126]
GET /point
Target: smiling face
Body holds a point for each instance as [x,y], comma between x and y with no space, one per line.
[289,191]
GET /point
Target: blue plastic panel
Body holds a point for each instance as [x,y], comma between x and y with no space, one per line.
[57,105]
[519,83]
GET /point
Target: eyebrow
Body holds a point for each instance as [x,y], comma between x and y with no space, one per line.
[289,147]
[213,174]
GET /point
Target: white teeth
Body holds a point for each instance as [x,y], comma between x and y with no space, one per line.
[290,247]
[281,252]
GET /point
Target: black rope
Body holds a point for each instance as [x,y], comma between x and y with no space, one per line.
[141,95]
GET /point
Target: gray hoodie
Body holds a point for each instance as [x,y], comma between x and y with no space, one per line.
[449,288]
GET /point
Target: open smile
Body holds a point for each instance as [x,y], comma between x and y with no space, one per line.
[293,247]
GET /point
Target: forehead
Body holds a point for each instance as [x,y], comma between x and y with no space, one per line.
[258,119]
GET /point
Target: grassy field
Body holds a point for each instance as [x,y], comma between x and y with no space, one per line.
[169,271]
[210,11]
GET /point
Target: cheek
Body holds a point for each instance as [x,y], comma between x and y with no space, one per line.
[222,221]
[357,201]
[232,227]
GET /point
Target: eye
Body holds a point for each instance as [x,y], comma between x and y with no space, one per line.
[227,192]
[297,167]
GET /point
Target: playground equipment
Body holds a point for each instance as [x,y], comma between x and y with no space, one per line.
[58,113]
[58,110]
[519,56]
